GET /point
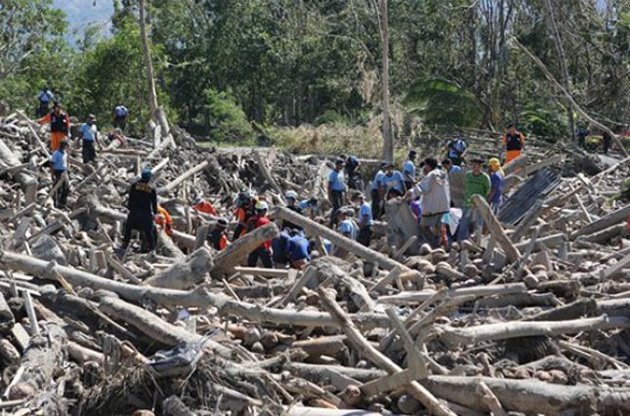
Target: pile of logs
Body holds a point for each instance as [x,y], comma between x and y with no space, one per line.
[527,318]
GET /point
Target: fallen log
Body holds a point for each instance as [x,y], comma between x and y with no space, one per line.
[28,183]
[198,297]
[517,329]
[532,396]
[181,178]
[609,220]
[489,290]
[511,252]
[186,273]
[237,252]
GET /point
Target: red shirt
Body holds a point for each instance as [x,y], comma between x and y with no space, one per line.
[261,222]
[206,207]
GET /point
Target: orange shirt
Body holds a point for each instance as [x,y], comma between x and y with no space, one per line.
[55,136]
[205,207]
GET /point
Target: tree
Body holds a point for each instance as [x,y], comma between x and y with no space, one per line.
[388,142]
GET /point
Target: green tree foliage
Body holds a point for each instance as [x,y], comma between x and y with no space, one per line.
[226,118]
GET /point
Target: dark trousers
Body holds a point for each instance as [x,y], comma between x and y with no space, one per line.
[143,222]
[409,185]
[337,202]
[120,122]
[43,108]
[88,151]
[376,204]
[61,196]
[456,160]
[260,253]
[365,235]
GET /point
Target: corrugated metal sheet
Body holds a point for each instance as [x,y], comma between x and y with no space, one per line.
[536,187]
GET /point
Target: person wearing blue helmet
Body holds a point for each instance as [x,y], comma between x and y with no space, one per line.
[142,205]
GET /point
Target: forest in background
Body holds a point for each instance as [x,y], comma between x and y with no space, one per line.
[233,68]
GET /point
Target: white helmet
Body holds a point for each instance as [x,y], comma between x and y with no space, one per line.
[291,195]
[262,206]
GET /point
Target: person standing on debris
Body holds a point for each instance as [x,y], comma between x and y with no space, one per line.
[448,166]
[436,201]
[90,136]
[365,221]
[497,183]
[142,205]
[164,221]
[376,192]
[309,207]
[245,204]
[513,143]
[291,198]
[456,150]
[201,205]
[218,236]
[409,170]
[263,252]
[298,249]
[606,141]
[581,134]
[120,114]
[44,97]
[59,167]
[59,125]
[351,167]
[347,227]
[477,183]
[392,183]
[336,190]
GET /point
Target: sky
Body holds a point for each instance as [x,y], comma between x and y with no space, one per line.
[82,13]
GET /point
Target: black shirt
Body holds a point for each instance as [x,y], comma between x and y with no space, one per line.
[142,198]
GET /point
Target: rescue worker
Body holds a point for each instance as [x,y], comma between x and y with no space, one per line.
[201,205]
[263,252]
[448,166]
[351,167]
[364,235]
[44,97]
[298,249]
[120,114]
[497,183]
[392,183]
[59,125]
[218,236]
[513,143]
[347,227]
[336,190]
[436,202]
[376,192]
[279,245]
[245,204]
[164,221]
[142,205]
[89,134]
[409,170]
[456,150]
[59,168]
[477,183]
[309,207]
[291,198]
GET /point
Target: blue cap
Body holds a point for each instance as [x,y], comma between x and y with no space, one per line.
[146,174]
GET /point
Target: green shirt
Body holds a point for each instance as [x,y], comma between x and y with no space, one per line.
[476,185]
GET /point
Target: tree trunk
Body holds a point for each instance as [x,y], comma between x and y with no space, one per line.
[388,142]
[186,273]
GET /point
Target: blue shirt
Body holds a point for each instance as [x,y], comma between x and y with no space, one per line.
[409,169]
[298,248]
[59,161]
[456,148]
[45,96]
[336,181]
[121,111]
[279,247]
[396,181]
[366,210]
[376,183]
[496,184]
[88,131]
[455,169]
[347,227]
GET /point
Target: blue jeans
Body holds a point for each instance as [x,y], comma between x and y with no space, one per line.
[470,218]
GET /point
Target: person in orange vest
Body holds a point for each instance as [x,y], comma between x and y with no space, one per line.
[59,125]
[218,236]
[263,252]
[513,143]
[164,221]
[244,211]
[201,205]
